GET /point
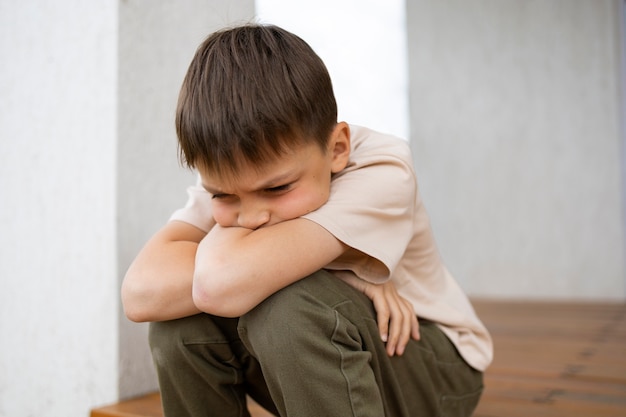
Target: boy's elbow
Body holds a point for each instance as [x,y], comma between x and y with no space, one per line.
[135,314]
[134,302]
[216,300]
[132,313]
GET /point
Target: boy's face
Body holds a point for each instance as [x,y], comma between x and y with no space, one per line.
[292,185]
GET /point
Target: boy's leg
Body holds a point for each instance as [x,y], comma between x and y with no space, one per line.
[204,369]
[319,347]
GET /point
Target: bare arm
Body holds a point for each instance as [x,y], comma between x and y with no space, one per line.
[238,268]
[158,283]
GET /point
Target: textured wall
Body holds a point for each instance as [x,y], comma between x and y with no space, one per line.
[88,171]
[59,295]
[157,42]
[515,116]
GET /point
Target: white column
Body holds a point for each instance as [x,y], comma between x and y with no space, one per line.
[59,293]
[88,170]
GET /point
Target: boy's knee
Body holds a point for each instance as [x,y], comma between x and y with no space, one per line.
[285,306]
[164,342]
[168,338]
[165,332]
[165,337]
[295,314]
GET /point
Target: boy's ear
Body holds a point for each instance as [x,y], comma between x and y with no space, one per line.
[339,147]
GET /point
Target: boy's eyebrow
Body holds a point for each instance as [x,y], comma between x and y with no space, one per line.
[272,182]
[277,180]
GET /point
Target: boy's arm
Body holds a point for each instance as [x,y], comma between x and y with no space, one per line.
[158,283]
[238,268]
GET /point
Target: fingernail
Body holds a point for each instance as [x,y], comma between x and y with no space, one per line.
[383,337]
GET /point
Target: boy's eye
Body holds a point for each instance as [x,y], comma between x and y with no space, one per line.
[220,196]
[278,189]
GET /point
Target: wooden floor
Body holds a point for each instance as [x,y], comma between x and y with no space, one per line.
[552,360]
[556,359]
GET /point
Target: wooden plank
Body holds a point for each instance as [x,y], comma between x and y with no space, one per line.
[150,406]
[145,406]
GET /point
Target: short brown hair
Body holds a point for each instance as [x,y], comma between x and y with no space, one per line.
[250,93]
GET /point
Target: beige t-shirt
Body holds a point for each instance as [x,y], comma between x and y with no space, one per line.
[375,209]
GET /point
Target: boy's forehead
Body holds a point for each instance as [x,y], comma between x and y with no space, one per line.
[246,181]
[258,176]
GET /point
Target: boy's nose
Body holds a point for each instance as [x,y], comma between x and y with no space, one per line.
[252,218]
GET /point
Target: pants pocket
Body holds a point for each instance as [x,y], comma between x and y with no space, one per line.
[460,405]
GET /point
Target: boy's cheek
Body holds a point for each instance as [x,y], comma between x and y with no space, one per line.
[223,217]
[320,199]
[223,223]
[309,203]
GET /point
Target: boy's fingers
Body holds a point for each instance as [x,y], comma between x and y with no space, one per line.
[382,315]
[400,331]
[390,343]
[409,325]
[406,324]
[415,328]
[397,322]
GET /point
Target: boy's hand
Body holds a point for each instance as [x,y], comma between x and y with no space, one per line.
[397,322]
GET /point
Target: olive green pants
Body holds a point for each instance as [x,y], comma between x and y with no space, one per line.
[311,349]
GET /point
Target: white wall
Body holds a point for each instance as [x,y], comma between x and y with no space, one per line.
[515,121]
[59,296]
[88,171]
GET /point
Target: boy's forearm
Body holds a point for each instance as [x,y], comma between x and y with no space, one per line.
[161,289]
[157,286]
[238,268]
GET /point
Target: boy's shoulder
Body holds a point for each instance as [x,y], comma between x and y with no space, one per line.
[370,146]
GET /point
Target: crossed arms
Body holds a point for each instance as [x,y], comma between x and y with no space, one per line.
[183,271]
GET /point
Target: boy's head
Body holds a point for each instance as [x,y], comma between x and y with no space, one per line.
[257,117]
[252,93]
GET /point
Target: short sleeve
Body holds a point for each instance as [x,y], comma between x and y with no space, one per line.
[197,210]
[371,209]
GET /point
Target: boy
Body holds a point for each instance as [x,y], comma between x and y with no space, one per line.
[298,268]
